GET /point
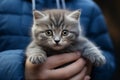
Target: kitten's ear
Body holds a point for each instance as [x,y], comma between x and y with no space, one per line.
[38,14]
[75,14]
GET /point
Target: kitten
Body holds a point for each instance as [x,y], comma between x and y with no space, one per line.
[59,31]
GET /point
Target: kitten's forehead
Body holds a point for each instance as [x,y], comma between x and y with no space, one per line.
[58,17]
[57,20]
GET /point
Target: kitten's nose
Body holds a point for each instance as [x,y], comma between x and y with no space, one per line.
[57,41]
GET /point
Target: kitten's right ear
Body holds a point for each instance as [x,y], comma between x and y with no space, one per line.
[37,14]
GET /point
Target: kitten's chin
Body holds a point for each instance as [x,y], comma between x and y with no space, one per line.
[57,47]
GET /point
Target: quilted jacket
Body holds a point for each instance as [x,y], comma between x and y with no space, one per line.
[15,24]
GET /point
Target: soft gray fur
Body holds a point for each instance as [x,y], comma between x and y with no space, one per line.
[59,31]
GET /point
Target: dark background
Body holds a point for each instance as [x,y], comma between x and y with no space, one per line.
[111,11]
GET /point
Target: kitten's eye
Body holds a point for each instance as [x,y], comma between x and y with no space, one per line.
[65,32]
[49,33]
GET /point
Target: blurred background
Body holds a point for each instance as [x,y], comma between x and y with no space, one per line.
[111,11]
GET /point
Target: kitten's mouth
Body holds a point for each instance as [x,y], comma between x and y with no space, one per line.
[57,46]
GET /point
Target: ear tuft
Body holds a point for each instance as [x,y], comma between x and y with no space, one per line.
[38,14]
[75,14]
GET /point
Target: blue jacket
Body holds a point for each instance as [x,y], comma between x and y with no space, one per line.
[16,21]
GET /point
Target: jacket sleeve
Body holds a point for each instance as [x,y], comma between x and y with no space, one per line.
[98,33]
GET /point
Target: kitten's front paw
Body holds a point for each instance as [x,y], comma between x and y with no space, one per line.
[99,60]
[35,59]
[96,57]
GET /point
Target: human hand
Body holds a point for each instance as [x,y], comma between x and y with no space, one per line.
[84,74]
[47,71]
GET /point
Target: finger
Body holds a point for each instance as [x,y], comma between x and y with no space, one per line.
[87,78]
[89,67]
[31,66]
[68,71]
[58,60]
[81,75]
[31,70]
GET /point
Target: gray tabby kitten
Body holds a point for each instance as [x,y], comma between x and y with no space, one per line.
[59,31]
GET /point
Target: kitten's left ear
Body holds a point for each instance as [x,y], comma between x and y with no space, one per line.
[75,14]
[38,14]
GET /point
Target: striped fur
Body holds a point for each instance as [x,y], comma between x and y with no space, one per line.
[58,31]
[57,21]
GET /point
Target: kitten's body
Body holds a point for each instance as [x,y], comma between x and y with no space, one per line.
[59,31]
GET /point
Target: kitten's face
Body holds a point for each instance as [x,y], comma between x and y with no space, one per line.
[56,29]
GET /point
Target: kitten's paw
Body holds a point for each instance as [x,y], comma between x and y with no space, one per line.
[99,60]
[35,59]
[95,56]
